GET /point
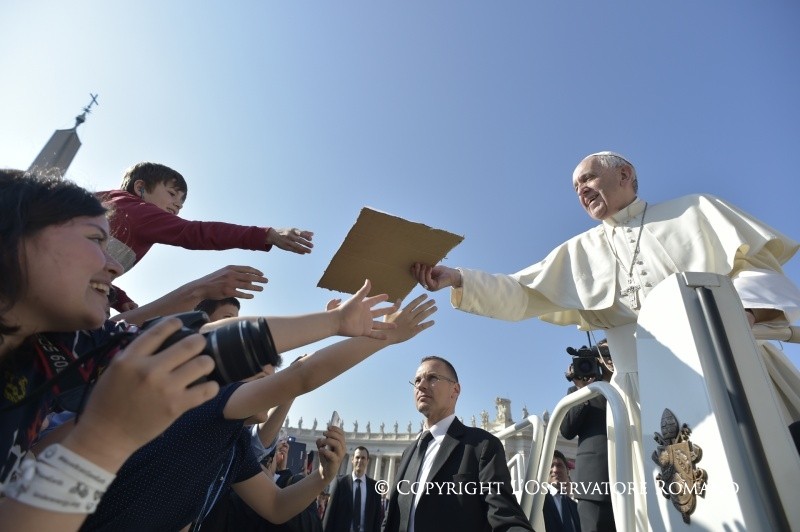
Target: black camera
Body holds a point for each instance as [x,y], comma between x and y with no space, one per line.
[240,349]
[586,363]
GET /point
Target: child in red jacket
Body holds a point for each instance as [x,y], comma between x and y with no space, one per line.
[144,211]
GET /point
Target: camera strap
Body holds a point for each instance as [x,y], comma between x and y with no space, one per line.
[64,370]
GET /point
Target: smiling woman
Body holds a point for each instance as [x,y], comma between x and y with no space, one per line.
[55,277]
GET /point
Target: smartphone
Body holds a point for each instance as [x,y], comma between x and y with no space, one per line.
[336,421]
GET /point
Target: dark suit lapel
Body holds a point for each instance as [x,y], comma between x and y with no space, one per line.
[372,504]
[449,443]
[405,459]
[573,510]
[346,499]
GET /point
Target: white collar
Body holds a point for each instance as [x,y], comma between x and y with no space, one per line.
[439,429]
[624,215]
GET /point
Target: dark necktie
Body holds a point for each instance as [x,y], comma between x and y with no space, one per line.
[566,517]
[357,507]
[405,502]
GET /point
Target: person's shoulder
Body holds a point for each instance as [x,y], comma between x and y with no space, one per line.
[693,204]
[581,237]
[688,199]
[115,195]
[214,406]
[477,434]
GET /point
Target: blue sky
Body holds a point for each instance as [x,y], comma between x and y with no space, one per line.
[467,116]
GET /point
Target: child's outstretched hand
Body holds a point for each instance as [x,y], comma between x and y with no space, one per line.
[291,239]
[357,315]
[410,319]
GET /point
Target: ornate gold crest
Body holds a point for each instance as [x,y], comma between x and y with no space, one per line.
[679,480]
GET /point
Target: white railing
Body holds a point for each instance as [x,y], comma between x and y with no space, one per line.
[543,443]
[789,334]
[517,466]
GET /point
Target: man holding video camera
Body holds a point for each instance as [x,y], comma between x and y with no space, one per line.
[587,421]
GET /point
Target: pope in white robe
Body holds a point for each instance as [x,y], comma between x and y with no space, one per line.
[598,279]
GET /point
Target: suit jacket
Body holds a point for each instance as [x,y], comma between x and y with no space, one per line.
[552,519]
[587,421]
[467,457]
[339,513]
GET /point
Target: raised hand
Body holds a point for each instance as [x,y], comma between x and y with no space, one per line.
[435,278]
[357,315]
[291,239]
[410,319]
[229,282]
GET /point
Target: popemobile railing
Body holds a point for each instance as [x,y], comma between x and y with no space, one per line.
[528,478]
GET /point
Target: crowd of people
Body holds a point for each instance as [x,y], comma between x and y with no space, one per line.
[98,434]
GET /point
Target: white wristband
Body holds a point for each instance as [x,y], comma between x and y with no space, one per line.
[76,466]
[60,481]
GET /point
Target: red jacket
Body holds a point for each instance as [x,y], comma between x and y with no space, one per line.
[136,225]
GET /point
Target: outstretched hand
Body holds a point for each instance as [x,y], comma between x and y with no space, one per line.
[229,282]
[435,278]
[291,239]
[409,320]
[357,317]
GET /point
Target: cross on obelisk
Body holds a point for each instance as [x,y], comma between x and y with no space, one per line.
[60,150]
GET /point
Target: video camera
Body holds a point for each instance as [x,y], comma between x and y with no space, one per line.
[586,362]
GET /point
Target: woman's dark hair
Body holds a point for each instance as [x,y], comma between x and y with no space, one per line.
[28,204]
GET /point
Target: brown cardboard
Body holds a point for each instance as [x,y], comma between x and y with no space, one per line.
[382,248]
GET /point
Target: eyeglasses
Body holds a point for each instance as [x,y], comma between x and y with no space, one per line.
[431,378]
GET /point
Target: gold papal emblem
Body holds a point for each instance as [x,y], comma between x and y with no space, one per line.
[679,480]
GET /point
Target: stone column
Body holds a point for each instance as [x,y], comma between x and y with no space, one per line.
[390,472]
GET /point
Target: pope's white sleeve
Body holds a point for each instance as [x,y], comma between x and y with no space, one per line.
[768,289]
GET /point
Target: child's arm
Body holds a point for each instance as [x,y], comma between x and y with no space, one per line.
[279,505]
[147,224]
[313,371]
[226,282]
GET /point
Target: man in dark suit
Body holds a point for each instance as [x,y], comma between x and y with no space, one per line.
[352,492]
[453,477]
[587,421]
[560,511]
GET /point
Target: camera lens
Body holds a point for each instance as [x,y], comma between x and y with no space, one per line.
[240,350]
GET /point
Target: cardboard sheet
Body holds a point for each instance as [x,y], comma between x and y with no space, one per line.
[382,248]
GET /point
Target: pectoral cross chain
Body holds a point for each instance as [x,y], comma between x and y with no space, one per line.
[633,294]
[632,291]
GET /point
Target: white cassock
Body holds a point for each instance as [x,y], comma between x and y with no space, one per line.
[581,282]
[585,281]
